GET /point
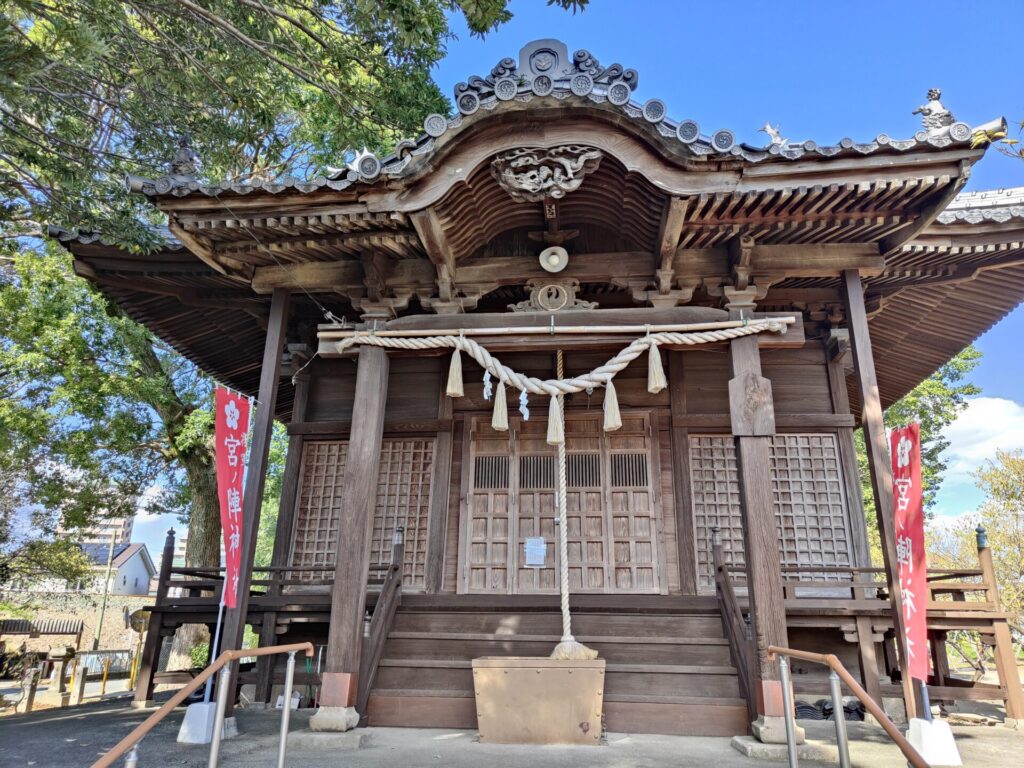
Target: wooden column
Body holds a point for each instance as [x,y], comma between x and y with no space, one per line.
[357,503]
[685,539]
[151,647]
[752,415]
[1002,650]
[879,465]
[256,474]
[866,639]
[441,476]
[282,538]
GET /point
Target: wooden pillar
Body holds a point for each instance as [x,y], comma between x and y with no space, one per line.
[440,481]
[282,538]
[357,503]
[868,658]
[1006,660]
[151,648]
[256,474]
[681,488]
[880,468]
[752,415]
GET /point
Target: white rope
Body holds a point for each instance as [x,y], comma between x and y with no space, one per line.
[563,531]
[598,377]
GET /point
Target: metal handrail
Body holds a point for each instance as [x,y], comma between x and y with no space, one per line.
[131,742]
[838,672]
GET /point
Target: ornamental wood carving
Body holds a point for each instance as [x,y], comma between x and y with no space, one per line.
[532,174]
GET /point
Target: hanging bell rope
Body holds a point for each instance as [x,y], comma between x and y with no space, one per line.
[568,648]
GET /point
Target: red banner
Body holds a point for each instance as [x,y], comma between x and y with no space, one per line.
[232,430]
[905,444]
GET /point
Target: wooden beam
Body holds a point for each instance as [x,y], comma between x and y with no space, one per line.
[892,244]
[440,253]
[311,276]
[256,474]
[195,244]
[672,221]
[355,530]
[880,469]
[803,260]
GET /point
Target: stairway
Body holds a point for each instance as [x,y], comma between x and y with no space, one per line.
[668,665]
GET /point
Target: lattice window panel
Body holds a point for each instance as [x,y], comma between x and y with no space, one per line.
[811,512]
[811,509]
[317,511]
[715,494]
[403,497]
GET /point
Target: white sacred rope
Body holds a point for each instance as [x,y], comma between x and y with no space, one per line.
[598,377]
[563,532]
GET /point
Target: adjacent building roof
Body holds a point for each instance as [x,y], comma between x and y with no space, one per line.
[123,552]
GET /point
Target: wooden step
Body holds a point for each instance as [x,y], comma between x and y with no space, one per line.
[550,622]
[681,716]
[627,679]
[648,605]
[676,719]
[416,645]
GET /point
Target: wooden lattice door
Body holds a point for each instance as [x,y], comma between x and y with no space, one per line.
[611,507]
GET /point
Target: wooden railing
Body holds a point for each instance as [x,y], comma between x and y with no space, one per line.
[836,667]
[380,624]
[132,740]
[741,647]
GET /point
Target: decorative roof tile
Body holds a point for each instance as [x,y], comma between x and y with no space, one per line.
[545,69]
[998,205]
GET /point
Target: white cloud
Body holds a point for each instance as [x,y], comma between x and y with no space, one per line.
[987,424]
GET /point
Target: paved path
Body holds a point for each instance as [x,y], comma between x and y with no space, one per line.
[77,736]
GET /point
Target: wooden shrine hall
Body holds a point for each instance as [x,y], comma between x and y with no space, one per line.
[790,292]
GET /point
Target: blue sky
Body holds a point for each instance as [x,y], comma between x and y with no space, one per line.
[822,71]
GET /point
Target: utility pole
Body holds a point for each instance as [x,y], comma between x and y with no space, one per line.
[106,591]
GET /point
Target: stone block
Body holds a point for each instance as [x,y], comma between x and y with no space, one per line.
[772,730]
[337,719]
[810,751]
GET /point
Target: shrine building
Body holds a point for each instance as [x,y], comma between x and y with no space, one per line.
[790,292]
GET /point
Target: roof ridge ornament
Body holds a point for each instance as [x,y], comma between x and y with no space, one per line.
[185,163]
[544,66]
[935,118]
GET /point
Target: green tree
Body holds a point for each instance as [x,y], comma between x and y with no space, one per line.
[95,409]
[93,89]
[1002,516]
[934,403]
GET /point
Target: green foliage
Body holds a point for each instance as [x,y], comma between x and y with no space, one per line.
[198,653]
[95,412]
[934,403]
[93,89]
[271,496]
[1002,516]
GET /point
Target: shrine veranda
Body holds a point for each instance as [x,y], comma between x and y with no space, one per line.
[870,263]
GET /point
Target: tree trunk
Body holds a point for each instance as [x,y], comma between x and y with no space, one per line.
[203,547]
